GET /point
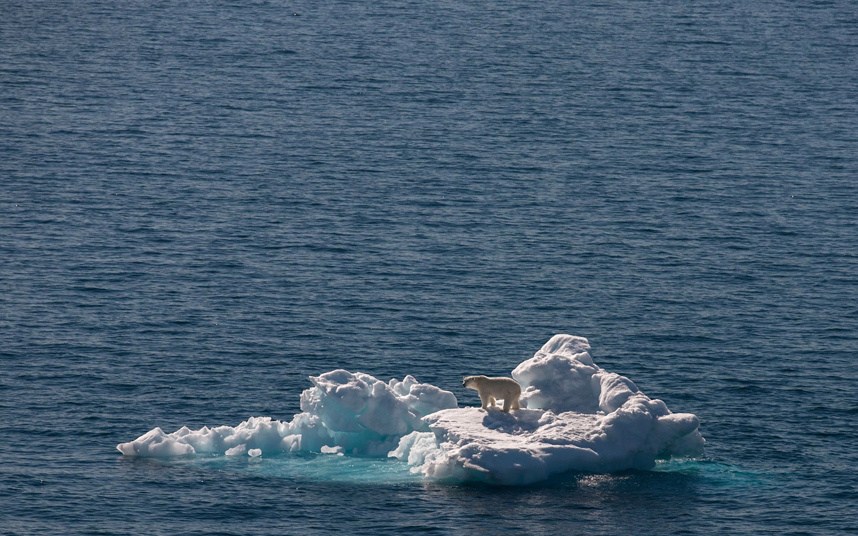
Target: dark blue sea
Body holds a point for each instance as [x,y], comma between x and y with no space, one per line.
[203,203]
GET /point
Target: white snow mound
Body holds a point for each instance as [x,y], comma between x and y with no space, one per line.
[343,412]
[578,417]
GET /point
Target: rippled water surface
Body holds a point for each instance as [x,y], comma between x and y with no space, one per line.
[203,203]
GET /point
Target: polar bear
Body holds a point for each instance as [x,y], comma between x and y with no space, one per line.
[491,389]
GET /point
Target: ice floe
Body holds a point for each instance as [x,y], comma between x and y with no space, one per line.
[575,417]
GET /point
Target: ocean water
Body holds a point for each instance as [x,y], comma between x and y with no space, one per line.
[203,203]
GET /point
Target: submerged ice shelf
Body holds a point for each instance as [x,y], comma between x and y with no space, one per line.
[575,416]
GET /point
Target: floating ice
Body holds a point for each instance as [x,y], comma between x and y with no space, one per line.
[578,417]
[343,412]
[575,416]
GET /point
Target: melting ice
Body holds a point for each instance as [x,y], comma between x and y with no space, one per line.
[575,416]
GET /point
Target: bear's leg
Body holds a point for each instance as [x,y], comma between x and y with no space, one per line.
[515,403]
[507,402]
[485,399]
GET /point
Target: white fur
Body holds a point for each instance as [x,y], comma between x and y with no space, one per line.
[492,389]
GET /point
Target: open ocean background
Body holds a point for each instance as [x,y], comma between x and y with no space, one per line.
[202,203]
